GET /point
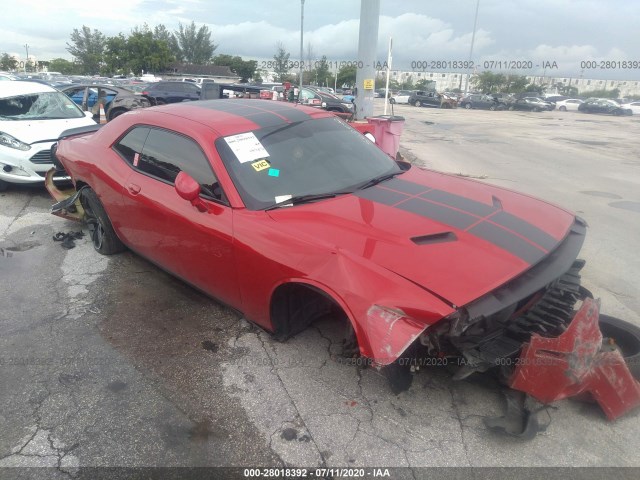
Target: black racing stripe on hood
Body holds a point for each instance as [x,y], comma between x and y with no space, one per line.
[440,213]
[502,229]
[461,203]
[525,229]
[508,241]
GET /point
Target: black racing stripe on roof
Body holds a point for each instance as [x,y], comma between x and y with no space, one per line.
[246,110]
[508,241]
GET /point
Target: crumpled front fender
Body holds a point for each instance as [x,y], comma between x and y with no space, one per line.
[550,369]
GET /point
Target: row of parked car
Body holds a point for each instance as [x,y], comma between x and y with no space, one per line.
[509,102]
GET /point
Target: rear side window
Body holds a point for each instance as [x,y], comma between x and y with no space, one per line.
[132,143]
[165,154]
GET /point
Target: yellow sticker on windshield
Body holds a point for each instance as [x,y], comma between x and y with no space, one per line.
[260,165]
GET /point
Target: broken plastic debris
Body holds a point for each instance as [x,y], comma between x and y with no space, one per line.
[67,239]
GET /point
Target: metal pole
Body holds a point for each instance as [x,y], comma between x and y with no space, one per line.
[26,45]
[301,49]
[473,39]
[386,87]
[367,47]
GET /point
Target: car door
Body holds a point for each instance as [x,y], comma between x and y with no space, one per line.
[196,246]
[192,92]
[78,95]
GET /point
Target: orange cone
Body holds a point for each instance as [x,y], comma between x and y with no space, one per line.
[103,117]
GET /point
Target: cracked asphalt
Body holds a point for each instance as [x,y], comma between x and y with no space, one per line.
[108,361]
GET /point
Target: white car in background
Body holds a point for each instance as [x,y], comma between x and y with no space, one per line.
[633,106]
[570,104]
[32,117]
[401,97]
[7,76]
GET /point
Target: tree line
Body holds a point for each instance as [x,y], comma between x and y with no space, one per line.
[143,50]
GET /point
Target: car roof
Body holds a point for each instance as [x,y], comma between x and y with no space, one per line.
[18,87]
[238,115]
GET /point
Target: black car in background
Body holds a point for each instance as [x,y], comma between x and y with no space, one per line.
[160,93]
[317,98]
[483,102]
[431,99]
[531,104]
[115,100]
[603,105]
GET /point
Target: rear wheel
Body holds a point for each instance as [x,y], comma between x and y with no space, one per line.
[3,185]
[116,113]
[418,103]
[160,101]
[104,238]
[467,106]
[511,109]
[492,108]
[563,108]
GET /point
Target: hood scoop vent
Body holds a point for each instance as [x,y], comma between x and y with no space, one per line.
[441,237]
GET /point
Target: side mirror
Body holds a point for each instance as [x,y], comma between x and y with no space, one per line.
[189,189]
[88,114]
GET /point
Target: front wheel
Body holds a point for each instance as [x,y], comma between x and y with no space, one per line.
[625,337]
[418,103]
[563,108]
[467,106]
[492,108]
[160,101]
[511,109]
[104,238]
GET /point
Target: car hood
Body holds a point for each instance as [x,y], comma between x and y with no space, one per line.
[457,238]
[32,131]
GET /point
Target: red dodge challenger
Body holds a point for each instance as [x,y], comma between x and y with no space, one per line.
[286,213]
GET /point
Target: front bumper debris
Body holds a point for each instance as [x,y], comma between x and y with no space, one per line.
[551,369]
[68,201]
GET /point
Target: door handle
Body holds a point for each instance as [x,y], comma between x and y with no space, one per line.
[133,188]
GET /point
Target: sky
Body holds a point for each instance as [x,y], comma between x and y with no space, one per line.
[567,32]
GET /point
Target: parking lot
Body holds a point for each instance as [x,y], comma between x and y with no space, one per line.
[108,361]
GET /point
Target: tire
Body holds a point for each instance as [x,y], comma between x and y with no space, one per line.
[160,101]
[418,103]
[467,106]
[116,113]
[392,101]
[492,108]
[511,109]
[562,108]
[104,238]
[626,338]
[3,186]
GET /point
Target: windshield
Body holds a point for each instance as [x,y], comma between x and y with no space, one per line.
[305,158]
[39,106]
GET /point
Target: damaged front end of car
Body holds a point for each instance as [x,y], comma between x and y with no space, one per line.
[541,332]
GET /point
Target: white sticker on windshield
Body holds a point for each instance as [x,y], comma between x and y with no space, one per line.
[246,147]
[282,198]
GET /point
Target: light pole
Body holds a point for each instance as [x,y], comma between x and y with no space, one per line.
[26,46]
[301,43]
[473,39]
